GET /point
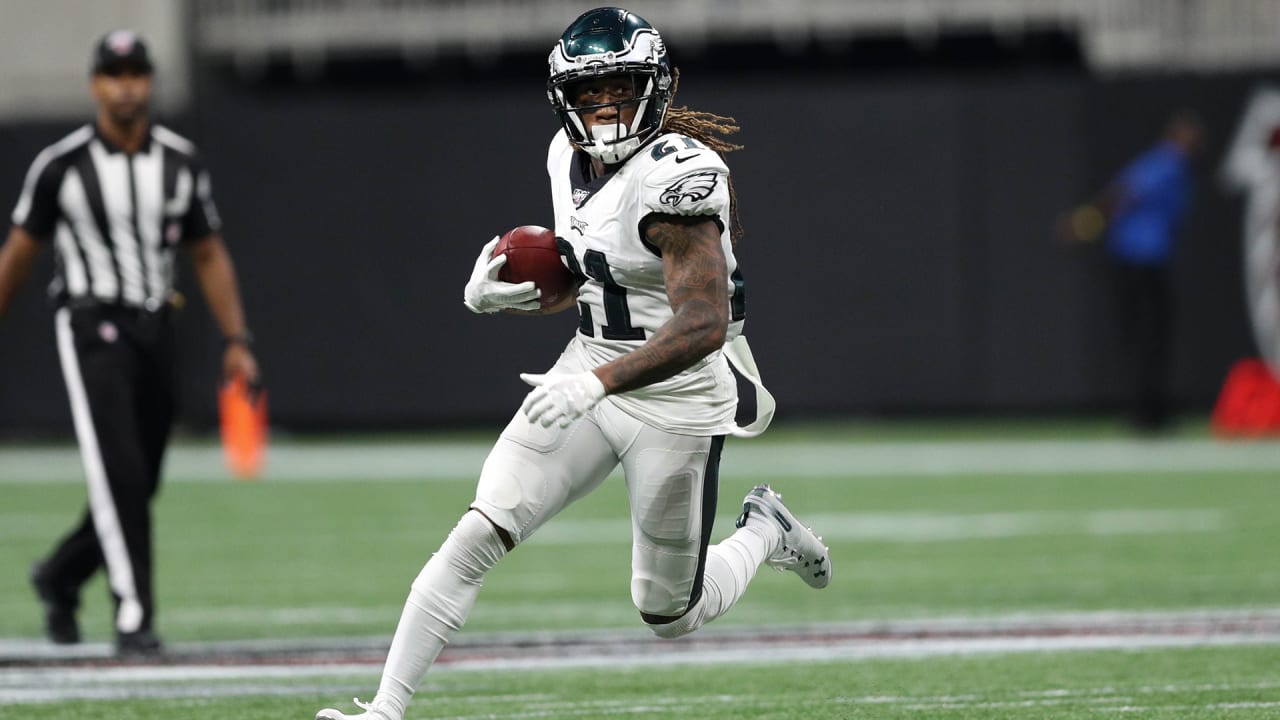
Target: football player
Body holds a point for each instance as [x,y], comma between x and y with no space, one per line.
[644,217]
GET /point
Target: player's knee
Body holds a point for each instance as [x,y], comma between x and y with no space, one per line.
[504,536]
[654,596]
[473,547]
[481,542]
[672,628]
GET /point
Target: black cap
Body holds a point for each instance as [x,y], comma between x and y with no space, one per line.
[121,49]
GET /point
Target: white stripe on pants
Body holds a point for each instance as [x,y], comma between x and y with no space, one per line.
[106,521]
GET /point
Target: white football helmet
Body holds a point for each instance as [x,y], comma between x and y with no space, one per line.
[612,41]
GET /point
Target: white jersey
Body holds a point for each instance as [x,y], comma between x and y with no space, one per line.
[624,299]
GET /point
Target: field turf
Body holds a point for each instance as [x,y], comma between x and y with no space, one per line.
[980,524]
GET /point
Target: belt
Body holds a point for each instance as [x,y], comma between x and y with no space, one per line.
[150,307]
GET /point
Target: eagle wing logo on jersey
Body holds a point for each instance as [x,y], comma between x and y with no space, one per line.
[692,187]
[578,225]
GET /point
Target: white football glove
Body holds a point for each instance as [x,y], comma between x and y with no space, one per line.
[560,398]
[485,293]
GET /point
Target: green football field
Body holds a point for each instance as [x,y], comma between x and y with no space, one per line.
[981,570]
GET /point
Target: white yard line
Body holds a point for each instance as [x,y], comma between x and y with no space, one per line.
[460,461]
[907,527]
[937,527]
[586,612]
[901,527]
[57,684]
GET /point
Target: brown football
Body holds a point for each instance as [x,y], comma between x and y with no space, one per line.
[533,254]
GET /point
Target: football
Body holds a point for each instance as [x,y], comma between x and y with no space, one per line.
[532,254]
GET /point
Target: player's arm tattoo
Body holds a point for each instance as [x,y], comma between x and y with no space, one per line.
[696,275]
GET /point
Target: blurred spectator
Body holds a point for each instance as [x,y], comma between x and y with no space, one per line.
[1139,214]
[115,198]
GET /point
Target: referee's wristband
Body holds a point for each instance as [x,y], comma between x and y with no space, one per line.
[245,338]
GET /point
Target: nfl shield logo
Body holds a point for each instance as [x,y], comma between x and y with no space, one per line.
[108,332]
[579,196]
[121,42]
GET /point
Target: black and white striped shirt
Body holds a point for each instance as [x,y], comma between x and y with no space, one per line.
[115,218]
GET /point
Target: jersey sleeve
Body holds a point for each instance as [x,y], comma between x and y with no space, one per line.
[685,181]
[559,144]
[202,217]
[37,208]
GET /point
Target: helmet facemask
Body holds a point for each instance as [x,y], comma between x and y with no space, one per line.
[612,142]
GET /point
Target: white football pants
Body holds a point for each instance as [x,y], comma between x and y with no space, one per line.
[677,582]
[533,473]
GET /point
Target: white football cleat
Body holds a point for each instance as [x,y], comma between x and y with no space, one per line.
[802,552]
[370,713]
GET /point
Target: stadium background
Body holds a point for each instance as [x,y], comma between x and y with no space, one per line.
[902,171]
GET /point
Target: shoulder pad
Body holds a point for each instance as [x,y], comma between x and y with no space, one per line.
[681,176]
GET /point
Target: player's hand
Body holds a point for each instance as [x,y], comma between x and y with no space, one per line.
[560,398]
[485,293]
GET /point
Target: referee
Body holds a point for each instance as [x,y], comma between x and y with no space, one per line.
[115,199]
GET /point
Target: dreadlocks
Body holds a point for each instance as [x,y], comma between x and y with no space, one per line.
[711,130]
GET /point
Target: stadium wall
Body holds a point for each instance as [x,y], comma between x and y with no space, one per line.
[897,251]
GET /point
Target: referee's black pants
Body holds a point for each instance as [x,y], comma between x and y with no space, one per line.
[118,364]
[1146,324]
